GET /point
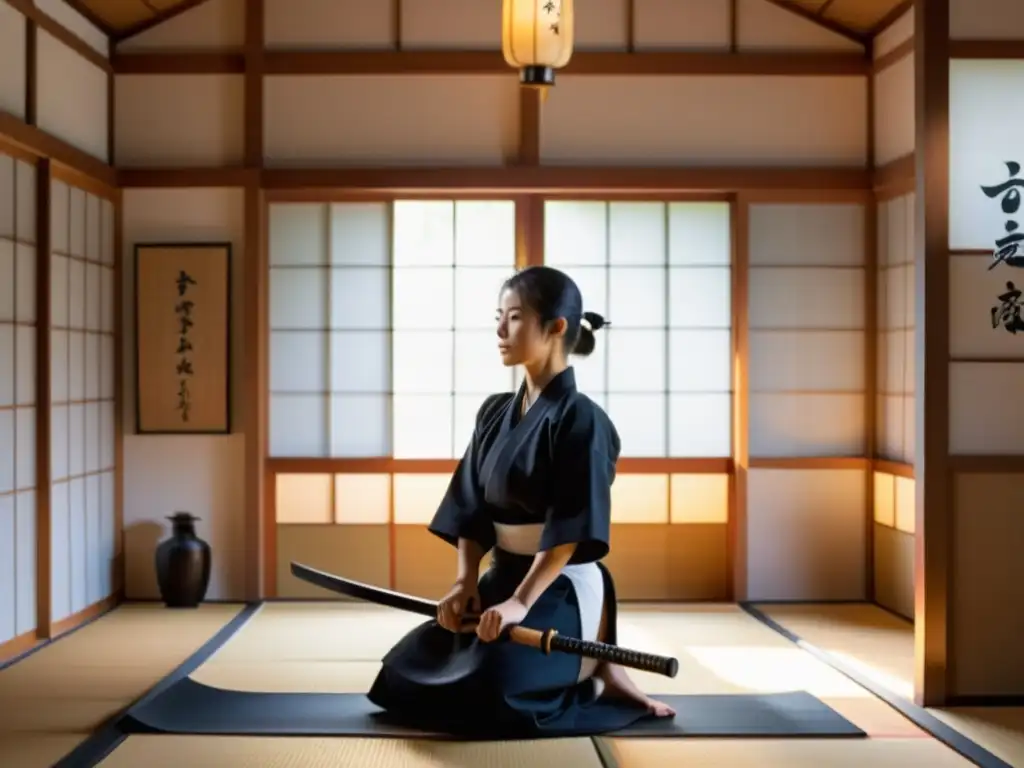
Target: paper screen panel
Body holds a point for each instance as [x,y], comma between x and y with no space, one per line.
[83,373]
[362,499]
[417,497]
[303,498]
[807,338]
[905,512]
[360,425]
[702,498]
[659,271]
[18,328]
[885,499]
[640,499]
[8,569]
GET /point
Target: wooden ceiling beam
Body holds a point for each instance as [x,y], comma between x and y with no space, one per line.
[492,63]
[821,21]
[517,179]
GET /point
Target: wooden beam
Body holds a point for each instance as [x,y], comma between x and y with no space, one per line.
[900,52]
[402,62]
[120,564]
[185,178]
[736,525]
[44,570]
[898,468]
[654,63]
[43,144]
[521,179]
[553,179]
[388,465]
[734,26]
[986,49]
[530,106]
[895,178]
[870,245]
[933,505]
[194,63]
[255,324]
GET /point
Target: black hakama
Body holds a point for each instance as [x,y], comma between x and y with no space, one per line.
[524,485]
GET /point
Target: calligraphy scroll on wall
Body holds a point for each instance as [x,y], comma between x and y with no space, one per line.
[182,338]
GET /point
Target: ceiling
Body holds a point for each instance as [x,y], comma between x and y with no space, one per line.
[854,18]
[860,17]
[123,18]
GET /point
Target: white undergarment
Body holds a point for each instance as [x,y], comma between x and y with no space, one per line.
[586,580]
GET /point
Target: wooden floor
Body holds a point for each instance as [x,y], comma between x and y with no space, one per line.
[55,698]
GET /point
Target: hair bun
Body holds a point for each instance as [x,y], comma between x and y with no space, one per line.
[594,320]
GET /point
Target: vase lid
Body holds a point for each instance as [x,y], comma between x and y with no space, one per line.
[179,517]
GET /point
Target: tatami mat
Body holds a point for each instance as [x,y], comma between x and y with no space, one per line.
[784,753]
[336,647]
[1000,730]
[880,646]
[253,752]
[872,641]
[235,752]
[55,698]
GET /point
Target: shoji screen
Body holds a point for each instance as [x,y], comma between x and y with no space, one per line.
[82,399]
[18,327]
[382,350]
[894,490]
[806,523]
[661,273]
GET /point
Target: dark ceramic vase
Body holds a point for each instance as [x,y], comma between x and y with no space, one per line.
[183,564]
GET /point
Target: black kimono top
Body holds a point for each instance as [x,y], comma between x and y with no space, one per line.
[555,465]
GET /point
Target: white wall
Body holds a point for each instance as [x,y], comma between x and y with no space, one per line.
[894,94]
[203,475]
[12,61]
[72,92]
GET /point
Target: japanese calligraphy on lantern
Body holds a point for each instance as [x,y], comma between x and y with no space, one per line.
[182,329]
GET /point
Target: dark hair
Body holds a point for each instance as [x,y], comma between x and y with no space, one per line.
[553,294]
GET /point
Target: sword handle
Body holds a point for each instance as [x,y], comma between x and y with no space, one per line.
[550,640]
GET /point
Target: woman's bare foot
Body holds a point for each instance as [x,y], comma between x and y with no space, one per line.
[618,684]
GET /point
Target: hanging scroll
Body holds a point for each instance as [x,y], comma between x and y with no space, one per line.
[182,338]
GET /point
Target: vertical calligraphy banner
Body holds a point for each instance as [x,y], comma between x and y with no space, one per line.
[182,338]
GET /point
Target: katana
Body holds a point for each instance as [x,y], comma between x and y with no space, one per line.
[547,641]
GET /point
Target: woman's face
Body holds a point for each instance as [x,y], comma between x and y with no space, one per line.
[521,339]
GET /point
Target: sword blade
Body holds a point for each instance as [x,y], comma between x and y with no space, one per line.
[361,591]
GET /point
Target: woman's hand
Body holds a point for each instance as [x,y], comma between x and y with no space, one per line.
[497,619]
[462,598]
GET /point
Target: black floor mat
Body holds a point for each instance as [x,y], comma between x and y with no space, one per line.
[189,707]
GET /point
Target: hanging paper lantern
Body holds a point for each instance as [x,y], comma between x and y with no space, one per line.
[537,38]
